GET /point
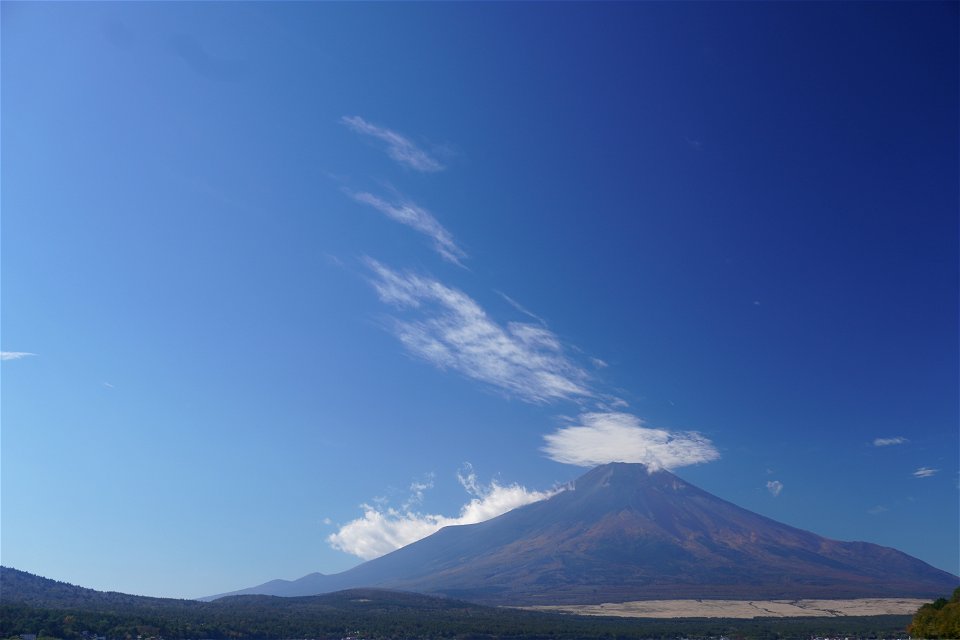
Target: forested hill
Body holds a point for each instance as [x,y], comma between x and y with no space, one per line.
[51,609]
[25,588]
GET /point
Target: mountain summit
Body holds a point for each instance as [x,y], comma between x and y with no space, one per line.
[623,533]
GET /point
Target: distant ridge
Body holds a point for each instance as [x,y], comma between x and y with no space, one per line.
[625,534]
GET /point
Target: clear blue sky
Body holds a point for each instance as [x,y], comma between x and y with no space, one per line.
[263,264]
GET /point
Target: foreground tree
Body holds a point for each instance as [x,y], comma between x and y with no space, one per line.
[938,619]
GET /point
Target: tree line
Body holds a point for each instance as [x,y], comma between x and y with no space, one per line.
[938,619]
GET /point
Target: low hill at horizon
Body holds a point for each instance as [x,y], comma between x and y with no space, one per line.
[31,604]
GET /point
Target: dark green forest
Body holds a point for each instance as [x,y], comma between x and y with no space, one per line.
[29,604]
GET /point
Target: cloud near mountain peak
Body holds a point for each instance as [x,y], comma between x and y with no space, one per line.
[603,437]
[384,529]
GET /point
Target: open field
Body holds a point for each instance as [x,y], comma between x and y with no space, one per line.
[743,608]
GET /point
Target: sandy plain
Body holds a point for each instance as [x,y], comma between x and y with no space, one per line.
[743,608]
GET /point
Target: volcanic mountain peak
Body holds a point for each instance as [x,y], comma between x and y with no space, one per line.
[624,532]
[619,480]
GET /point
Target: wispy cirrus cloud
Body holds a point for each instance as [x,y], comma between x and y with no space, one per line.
[925,472]
[603,437]
[417,490]
[886,442]
[451,331]
[417,218]
[382,529]
[15,355]
[774,487]
[399,147]
[519,307]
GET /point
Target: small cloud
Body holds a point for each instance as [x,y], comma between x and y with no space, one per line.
[774,487]
[756,303]
[611,404]
[877,510]
[327,521]
[419,219]
[417,490]
[519,307]
[598,363]
[399,147]
[15,355]
[924,472]
[621,437]
[107,385]
[381,529]
[886,442]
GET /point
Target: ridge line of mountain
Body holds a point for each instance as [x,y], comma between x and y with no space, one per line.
[626,533]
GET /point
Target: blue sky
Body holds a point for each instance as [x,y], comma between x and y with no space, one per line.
[284,285]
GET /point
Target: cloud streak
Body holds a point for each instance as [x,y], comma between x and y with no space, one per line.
[451,331]
[924,472]
[15,355]
[401,149]
[382,530]
[419,219]
[886,442]
[774,487]
[604,437]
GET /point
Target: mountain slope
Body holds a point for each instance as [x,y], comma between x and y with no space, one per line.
[28,589]
[623,534]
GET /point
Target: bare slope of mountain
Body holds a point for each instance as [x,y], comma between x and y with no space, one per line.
[622,534]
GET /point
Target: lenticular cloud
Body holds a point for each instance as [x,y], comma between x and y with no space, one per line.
[621,437]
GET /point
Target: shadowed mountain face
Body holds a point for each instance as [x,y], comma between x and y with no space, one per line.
[624,534]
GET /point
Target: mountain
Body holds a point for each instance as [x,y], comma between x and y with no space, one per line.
[28,589]
[622,533]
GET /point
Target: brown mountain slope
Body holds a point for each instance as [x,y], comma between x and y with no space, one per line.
[621,534]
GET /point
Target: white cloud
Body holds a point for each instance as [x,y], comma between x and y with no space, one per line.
[418,218]
[612,404]
[15,355]
[417,490]
[877,510]
[774,487]
[398,147]
[453,332]
[621,437]
[886,442]
[382,530]
[924,472]
[519,307]
[598,363]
